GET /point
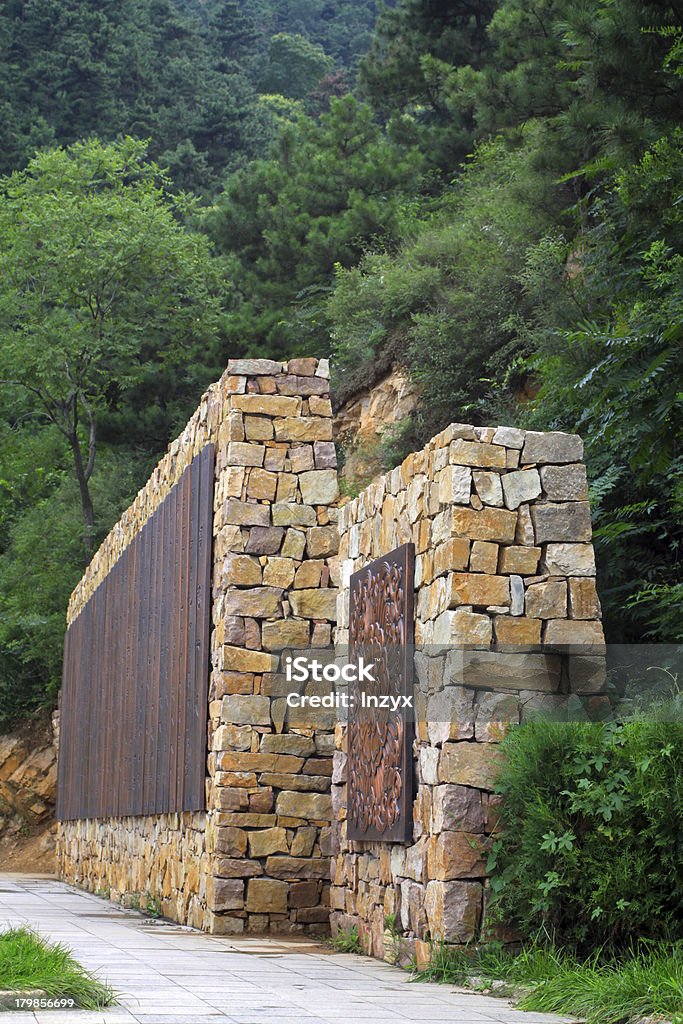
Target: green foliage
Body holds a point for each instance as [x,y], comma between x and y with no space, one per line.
[646,981]
[589,850]
[284,223]
[293,66]
[106,300]
[346,940]
[28,961]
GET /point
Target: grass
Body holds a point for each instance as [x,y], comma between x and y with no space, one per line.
[645,981]
[346,940]
[27,961]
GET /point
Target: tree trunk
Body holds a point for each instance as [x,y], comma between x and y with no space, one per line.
[86,500]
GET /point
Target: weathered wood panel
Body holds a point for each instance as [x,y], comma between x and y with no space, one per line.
[136,668]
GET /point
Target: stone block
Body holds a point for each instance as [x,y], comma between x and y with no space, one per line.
[259,603]
[319,406]
[264,540]
[301,458]
[302,386]
[325,455]
[510,437]
[238,709]
[467,627]
[305,366]
[584,602]
[496,713]
[236,867]
[518,559]
[246,513]
[224,893]
[285,633]
[244,453]
[571,632]
[304,841]
[520,631]
[288,513]
[551,446]
[308,574]
[314,604]
[237,659]
[304,894]
[311,806]
[569,560]
[266,896]
[520,487]
[561,523]
[319,486]
[289,743]
[455,485]
[450,716]
[262,484]
[267,405]
[458,808]
[258,428]
[241,571]
[478,589]
[476,453]
[267,841]
[303,428]
[469,764]
[565,483]
[231,841]
[298,867]
[489,488]
[488,524]
[297,783]
[453,554]
[279,572]
[254,367]
[275,458]
[547,600]
[322,541]
[484,557]
[587,674]
[453,910]
[498,670]
[294,545]
[456,855]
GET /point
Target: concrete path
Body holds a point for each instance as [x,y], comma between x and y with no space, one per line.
[166,974]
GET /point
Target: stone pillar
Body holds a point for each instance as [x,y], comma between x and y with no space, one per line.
[507,625]
[274,587]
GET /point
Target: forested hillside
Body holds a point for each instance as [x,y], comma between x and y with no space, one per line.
[485,191]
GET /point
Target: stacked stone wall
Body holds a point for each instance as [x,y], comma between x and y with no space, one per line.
[258,858]
[505,581]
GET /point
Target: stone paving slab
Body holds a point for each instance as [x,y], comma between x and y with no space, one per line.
[164,973]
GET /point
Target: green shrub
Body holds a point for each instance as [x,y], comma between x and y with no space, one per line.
[590,846]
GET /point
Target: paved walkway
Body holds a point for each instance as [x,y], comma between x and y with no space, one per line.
[166,974]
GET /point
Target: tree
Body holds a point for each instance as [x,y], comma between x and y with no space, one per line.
[294,66]
[100,287]
[329,188]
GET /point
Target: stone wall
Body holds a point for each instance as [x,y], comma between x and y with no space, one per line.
[258,858]
[505,580]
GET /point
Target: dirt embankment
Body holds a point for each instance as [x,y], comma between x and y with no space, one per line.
[28,786]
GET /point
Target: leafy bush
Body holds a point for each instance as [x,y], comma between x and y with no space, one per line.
[591,832]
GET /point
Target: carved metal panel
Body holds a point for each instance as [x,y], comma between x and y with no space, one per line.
[380,759]
[136,668]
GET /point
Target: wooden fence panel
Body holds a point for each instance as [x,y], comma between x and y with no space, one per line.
[136,668]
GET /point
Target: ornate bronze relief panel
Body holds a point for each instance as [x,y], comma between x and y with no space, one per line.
[380,739]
